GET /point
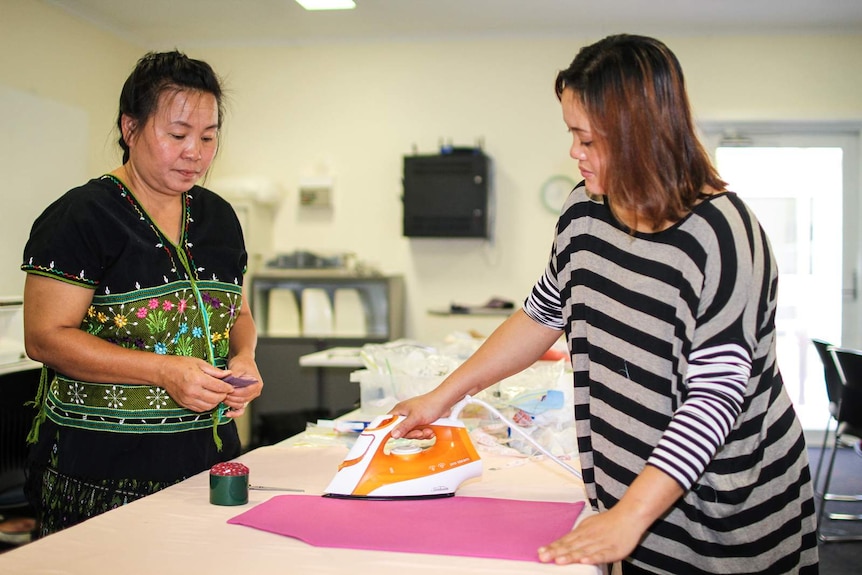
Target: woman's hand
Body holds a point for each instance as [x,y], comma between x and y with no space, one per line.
[604,538]
[418,411]
[243,342]
[193,383]
[612,536]
[239,397]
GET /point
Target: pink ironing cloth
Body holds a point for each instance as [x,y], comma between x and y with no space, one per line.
[465,526]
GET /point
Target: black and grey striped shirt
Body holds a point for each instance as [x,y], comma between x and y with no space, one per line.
[672,339]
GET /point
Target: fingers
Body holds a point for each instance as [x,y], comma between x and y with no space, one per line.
[597,539]
[217,386]
[239,397]
[200,386]
[401,429]
[565,555]
[200,392]
[236,412]
[416,433]
[567,550]
[200,399]
[404,426]
[410,427]
[417,411]
[242,395]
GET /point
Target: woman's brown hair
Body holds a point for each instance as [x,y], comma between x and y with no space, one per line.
[633,91]
[159,72]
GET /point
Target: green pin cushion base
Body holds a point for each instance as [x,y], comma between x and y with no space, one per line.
[229,484]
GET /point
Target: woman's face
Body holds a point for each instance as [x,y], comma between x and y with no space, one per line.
[176,146]
[583,149]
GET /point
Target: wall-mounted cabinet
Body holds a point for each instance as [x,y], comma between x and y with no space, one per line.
[448,195]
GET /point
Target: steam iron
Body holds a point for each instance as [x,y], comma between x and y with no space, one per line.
[370,471]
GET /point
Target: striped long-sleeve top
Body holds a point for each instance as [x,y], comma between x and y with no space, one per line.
[672,340]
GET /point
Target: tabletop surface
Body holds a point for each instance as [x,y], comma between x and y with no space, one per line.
[177,530]
[347,357]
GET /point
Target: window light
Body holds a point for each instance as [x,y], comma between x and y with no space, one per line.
[327,4]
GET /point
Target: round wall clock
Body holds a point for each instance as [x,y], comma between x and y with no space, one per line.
[555,191]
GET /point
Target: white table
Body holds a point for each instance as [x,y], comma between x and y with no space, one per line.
[346,357]
[177,531]
[20,365]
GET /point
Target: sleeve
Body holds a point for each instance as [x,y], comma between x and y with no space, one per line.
[65,242]
[720,364]
[243,258]
[716,381]
[543,304]
[217,238]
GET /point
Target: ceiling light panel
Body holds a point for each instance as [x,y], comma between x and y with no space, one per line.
[327,4]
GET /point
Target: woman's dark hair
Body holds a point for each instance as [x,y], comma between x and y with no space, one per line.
[633,91]
[157,72]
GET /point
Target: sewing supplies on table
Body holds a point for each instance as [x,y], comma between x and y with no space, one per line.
[229,483]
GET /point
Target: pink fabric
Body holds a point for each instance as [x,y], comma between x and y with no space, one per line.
[465,526]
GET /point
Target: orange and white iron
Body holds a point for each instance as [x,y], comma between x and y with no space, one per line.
[372,471]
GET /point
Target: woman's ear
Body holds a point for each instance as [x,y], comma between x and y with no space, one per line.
[128,126]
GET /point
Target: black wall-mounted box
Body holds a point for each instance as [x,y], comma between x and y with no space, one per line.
[447,195]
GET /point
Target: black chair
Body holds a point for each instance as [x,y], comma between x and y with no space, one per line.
[849,418]
[833,394]
[18,387]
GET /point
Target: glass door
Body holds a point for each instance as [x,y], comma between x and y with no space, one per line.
[803,187]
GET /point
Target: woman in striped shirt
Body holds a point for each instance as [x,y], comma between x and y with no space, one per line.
[664,285]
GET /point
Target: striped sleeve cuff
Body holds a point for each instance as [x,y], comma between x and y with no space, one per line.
[717,378]
[543,304]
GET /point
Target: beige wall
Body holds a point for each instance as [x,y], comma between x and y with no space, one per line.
[58,93]
[354,111]
[54,56]
[351,112]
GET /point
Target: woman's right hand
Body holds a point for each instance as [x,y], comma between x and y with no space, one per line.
[193,383]
[418,411]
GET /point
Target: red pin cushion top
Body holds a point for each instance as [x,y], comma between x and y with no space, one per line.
[229,468]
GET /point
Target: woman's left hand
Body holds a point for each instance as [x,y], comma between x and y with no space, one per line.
[238,399]
[611,536]
[607,537]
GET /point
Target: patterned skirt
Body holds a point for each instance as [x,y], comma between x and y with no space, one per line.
[76,474]
[64,501]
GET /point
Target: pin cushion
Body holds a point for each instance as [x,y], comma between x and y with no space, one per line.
[229,484]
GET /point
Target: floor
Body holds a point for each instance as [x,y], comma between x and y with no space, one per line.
[13,527]
[841,558]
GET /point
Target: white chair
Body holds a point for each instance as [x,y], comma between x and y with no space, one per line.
[349,313]
[316,313]
[283,314]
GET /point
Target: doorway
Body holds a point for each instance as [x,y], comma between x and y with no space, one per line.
[803,185]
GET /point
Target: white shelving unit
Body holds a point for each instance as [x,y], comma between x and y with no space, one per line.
[293,392]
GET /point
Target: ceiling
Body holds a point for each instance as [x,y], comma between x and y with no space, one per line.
[182,23]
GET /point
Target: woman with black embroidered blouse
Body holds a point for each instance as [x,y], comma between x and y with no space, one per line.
[134,302]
